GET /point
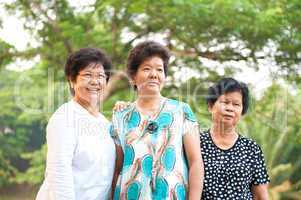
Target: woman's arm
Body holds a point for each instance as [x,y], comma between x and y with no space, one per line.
[260,177]
[195,162]
[118,167]
[260,192]
[61,143]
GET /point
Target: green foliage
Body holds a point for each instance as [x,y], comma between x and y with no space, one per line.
[5,53]
[22,120]
[34,174]
[7,171]
[274,124]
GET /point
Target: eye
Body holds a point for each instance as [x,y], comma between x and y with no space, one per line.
[160,69]
[102,76]
[224,102]
[146,69]
[87,75]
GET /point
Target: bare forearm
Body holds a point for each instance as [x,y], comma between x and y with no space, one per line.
[196,176]
[260,192]
[118,168]
[264,196]
[114,182]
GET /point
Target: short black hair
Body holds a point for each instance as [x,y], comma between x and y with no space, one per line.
[227,85]
[143,51]
[82,58]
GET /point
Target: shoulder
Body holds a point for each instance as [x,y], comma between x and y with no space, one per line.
[63,116]
[204,135]
[103,119]
[61,125]
[172,103]
[119,115]
[205,138]
[179,106]
[250,144]
[61,112]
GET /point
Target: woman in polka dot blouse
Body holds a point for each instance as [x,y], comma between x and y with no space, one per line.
[234,165]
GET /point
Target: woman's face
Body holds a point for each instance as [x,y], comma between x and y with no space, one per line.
[90,84]
[227,109]
[150,76]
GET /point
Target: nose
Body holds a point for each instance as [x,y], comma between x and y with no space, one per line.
[229,107]
[153,73]
[94,80]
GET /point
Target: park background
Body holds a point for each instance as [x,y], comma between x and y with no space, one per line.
[256,41]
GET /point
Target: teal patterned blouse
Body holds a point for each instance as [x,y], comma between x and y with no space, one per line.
[154,165]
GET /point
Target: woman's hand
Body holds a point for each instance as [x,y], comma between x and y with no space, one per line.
[196,167]
[121,105]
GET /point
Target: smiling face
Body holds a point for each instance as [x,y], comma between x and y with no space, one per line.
[227,109]
[149,78]
[90,84]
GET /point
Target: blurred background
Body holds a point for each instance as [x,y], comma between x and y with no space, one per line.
[255,41]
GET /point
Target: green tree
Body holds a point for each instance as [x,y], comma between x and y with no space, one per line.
[274,124]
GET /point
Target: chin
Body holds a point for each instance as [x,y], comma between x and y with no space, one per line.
[153,92]
[226,123]
[93,99]
[150,91]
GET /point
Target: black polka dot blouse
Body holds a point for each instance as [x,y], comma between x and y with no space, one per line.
[230,174]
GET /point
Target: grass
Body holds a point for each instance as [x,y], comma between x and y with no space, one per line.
[16,198]
[21,192]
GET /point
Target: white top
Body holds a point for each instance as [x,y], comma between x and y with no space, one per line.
[80,157]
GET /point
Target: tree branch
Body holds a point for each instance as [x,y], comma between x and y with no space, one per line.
[55,27]
[113,84]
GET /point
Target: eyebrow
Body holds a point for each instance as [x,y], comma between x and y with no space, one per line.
[227,99]
[93,72]
[147,64]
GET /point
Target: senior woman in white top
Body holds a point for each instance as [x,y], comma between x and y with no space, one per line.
[81,153]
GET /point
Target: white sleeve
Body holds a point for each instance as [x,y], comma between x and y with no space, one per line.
[61,142]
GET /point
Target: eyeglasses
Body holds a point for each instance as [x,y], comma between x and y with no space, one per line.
[89,76]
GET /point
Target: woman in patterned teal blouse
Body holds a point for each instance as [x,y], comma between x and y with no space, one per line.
[157,138]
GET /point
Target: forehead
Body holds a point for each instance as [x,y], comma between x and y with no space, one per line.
[234,96]
[93,67]
[153,61]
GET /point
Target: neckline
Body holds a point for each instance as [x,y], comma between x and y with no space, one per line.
[84,110]
[224,150]
[156,114]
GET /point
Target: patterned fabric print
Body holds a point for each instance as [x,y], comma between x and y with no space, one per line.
[229,174]
[154,164]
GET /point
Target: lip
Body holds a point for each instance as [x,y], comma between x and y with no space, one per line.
[153,83]
[94,90]
[228,116]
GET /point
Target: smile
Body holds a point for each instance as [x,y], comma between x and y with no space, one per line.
[152,83]
[93,90]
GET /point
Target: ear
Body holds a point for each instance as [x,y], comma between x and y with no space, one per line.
[71,84]
[210,107]
[133,80]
